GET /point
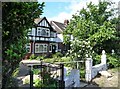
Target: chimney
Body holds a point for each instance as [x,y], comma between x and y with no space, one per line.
[66,22]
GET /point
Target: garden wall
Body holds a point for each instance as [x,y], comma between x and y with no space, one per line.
[92,71]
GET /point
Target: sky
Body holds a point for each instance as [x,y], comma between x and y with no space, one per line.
[59,10]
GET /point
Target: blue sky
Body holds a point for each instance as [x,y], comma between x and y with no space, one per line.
[52,9]
[59,11]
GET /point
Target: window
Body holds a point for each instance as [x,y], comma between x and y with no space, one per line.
[41,48]
[53,34]
[31,31]
[50,48]
[36,48]
[43,32]
[28,47]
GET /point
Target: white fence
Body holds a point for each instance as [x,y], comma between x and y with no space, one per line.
[92,71]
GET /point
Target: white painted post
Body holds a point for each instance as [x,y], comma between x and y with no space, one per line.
[103,57]
[88,65]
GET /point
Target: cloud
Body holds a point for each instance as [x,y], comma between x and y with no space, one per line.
[61,17]
[73,7]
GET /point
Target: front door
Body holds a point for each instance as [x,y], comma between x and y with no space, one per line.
[53,48]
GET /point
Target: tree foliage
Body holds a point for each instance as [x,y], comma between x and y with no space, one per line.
[94,25]
[17,18]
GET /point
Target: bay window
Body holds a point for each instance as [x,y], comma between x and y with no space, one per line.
[41,48]
[43,32]
[28,47]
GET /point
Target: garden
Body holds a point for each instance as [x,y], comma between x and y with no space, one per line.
[93,29]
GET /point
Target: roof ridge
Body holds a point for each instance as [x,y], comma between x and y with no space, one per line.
[58,22]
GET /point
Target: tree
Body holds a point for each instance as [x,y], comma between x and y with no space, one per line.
[92,30]
[17,18]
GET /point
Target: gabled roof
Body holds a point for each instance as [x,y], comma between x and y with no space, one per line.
[37,20]
[59,27]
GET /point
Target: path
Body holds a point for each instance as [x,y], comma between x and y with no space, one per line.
[103,81]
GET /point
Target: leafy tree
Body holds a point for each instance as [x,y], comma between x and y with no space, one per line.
[17,18]
[92,30]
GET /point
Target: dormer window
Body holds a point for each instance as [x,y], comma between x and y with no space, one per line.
[41,48]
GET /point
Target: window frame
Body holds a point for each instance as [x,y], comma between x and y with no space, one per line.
[28,45]
[40,29]
[44,46]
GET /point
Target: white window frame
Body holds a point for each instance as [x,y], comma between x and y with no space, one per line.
[53,34]
[39,30]
[37,46]
[50,49]
[28,46]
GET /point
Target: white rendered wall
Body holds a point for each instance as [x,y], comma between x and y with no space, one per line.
[59,38]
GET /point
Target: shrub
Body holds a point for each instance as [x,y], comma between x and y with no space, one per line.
[40,57]
[38,83]
[96,59]
[49,82]
[32,57]
[57,55]
[113,61]
[82,74]
[36,71]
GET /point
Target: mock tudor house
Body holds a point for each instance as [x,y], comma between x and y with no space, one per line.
[42,38]
[46,38]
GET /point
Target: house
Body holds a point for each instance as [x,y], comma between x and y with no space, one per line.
[42,38]
[59,28]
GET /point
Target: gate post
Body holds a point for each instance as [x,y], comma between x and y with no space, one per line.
[31,77]
[62,83]
[103,57]
[104,60]
[88,64]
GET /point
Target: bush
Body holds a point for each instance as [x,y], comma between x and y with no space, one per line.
[36,71]
[32,57]
[82,74]
[57,55]
[96,59]
[38,83]
[49,82]
[113,61]
[40,58]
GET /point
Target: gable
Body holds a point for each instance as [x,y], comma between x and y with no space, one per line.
[44,23]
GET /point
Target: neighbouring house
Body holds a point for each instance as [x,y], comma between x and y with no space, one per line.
[59,28]
[42,38]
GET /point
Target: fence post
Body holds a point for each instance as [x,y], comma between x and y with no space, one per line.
[77,65]
[88,64]
[62,83]
[104,59]
[31,77]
